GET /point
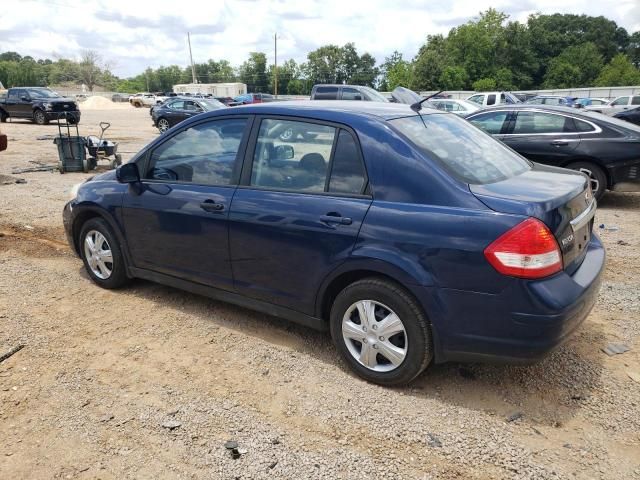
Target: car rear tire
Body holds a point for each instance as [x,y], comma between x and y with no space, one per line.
[381,332]
[3,117]
[163,125]
[596,175]
[39,117]
[101,254]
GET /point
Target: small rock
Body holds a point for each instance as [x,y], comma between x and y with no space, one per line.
[20,180]
[515,416]
[623,243]
[275,441]
[266,372]
[171,424]
[615,349]
[242,450]
[433,441]
[28,227]
[231,444]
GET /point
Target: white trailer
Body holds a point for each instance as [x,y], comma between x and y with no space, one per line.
[215,89]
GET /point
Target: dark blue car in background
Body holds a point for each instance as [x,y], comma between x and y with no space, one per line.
[411,237]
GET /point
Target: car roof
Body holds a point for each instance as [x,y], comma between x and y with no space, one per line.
[331,109]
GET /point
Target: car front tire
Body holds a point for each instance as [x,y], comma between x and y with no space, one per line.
[101,254]
[39,117]
[381,332]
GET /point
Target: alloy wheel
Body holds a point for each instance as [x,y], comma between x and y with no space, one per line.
[98,254]
[374,335]
[163,125]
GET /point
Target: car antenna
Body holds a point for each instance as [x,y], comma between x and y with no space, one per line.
[416,107]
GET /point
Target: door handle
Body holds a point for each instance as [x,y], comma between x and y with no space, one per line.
[211,206]
[333,217]
[560,143]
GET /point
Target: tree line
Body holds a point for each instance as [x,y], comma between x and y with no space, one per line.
[489,52]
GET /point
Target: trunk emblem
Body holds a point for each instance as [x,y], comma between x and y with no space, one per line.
[567,240]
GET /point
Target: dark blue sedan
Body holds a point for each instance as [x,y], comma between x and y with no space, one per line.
[413,237]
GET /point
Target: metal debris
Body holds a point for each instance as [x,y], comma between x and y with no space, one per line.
[11,352]
[615,349]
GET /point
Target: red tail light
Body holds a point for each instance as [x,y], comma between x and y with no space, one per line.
[528,250]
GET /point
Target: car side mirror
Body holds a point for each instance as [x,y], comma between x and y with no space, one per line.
[284,152]
[128,173]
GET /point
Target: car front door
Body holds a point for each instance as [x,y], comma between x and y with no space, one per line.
[177,222]
[543,136]
[298,211]
[16,106]
[619,105]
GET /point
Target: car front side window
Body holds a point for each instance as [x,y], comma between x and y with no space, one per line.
[301,166]
[491,122]
[204,154]
[620,101]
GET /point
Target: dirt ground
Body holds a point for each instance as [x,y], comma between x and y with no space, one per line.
[150,382]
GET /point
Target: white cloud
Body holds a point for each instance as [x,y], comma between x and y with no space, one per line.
[134,35]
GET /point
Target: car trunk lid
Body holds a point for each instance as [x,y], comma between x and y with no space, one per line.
[560,198]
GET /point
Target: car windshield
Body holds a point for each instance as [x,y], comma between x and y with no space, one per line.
[42,93]
[374,95]
[211,104]
[464,150]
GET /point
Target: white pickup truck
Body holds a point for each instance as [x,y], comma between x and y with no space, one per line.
[143,99]
[486,99]
[617,105]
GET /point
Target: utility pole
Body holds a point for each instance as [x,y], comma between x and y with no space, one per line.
[193,69]
[275,67]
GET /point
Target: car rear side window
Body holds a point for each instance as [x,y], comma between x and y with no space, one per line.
[539,122]
[204,154]
[635,100]
[347,169]
[292,155]
[491,122]
[491,99]
[326,93]
[351,94]
[582,126]
[464,151]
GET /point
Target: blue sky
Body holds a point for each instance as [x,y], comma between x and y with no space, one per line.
[133,35]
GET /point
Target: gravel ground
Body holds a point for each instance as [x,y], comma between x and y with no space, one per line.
[150,382]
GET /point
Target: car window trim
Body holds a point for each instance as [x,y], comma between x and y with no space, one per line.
[143,162]
[247,167]
[596,130]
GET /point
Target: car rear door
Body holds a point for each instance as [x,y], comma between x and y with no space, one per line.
[297,213]
[543,136]
[177,222]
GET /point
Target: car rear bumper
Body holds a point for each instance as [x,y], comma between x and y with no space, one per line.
[522,323]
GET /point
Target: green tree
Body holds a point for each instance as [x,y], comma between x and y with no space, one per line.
[453,78]
[485,84]
[399,75]
[619,72]
[576,66]
[428,64]
[253,72]
[633,49]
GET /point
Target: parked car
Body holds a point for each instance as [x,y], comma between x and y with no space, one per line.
[143,100]
[412,238]
[604,148]
[175,110]
[523,97]
[250,98]
[456,106]
[41,105]
[617,105]
[346,92]
[3,142]
[632,115]
[587,102]
[493,98]
[120,97]
[228,101]
[553,100]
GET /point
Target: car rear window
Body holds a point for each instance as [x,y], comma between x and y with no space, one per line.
[465,151]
